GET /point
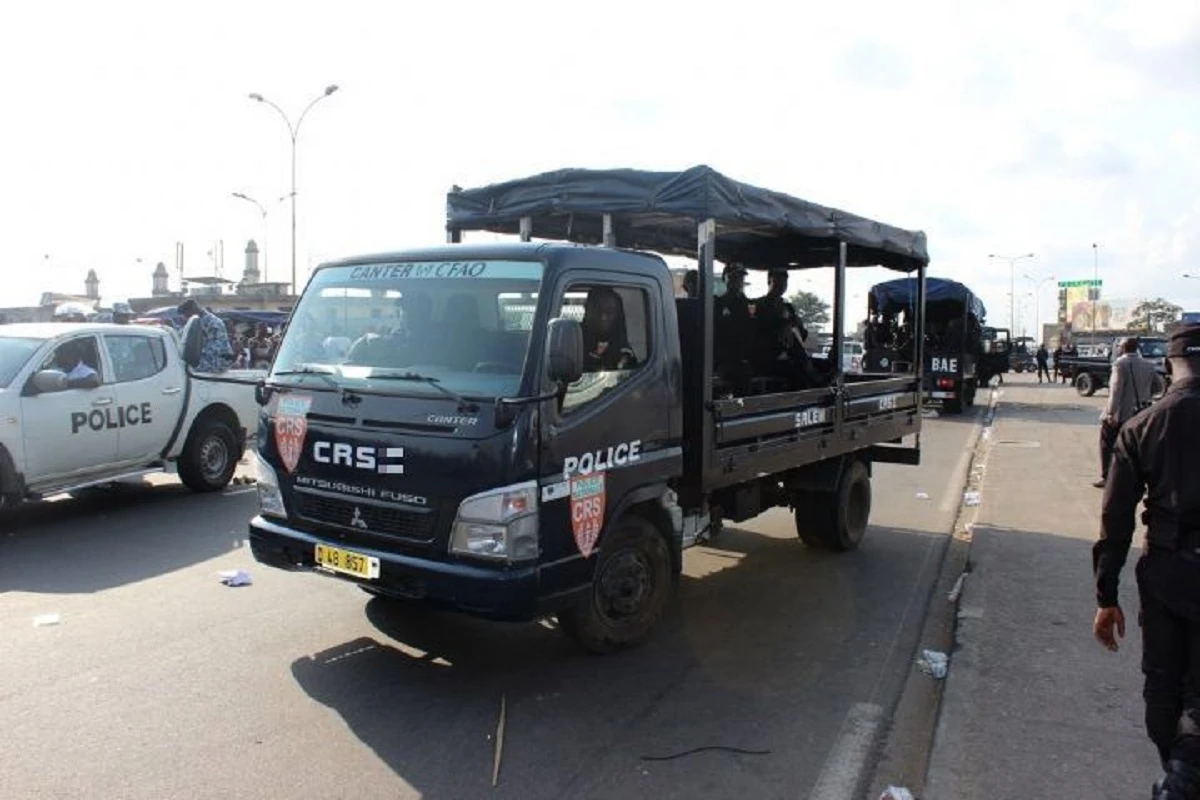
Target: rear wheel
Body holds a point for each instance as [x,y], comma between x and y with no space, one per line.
[209,458]
[836,520]
[1085,384]
[629,591]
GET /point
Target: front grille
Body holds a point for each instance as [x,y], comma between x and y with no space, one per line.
[371,518]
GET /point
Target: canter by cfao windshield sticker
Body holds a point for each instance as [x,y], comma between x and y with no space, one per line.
[291,425]
[587,511]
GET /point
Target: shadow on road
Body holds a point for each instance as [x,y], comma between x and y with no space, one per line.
[1061,413]
[103,538]
[767,645]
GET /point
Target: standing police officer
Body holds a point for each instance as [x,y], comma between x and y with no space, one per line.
[1158,453]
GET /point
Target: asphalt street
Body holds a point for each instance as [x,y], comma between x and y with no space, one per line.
[159,682]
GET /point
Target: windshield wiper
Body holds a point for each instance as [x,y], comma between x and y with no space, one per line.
[324,374]
[463,403]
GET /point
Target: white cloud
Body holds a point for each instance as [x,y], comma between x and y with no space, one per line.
[995,128]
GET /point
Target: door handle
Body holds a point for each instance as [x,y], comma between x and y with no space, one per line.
[173,390]
[102,401]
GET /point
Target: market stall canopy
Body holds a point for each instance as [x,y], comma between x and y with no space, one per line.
[659,211]
[892,297]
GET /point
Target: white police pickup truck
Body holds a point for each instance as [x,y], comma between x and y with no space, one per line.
[89,404]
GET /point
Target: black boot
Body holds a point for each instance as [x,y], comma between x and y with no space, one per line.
[1181,783]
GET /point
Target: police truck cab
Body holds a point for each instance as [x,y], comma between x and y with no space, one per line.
[89,404]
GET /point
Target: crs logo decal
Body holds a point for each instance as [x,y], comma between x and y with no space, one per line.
[384,460]
[291,426]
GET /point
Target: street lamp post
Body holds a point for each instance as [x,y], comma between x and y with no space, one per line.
[1012,283]
[294,132]
[1037,302]
[1095,285]
[262,210]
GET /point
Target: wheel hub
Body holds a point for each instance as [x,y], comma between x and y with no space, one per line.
[624,585]
[214,456]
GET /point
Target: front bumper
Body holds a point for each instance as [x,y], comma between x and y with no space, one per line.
[504,593]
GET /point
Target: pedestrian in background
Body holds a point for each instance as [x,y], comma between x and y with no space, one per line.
[1157,454]
[1130,389]
[1043,363]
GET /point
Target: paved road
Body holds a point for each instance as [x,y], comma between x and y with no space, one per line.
[159,682]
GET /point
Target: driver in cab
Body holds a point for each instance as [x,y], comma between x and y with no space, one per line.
[605,338]
[69,361]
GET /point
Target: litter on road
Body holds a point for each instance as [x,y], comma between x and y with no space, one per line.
[896,793]
[46,620]
[235,577]
[971,498]
[922,496]
[933,663]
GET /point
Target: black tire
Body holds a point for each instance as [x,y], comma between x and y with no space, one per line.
[1085,384]
[210,457]
[1019,368]
[969,395]
[629,593]
[836,520]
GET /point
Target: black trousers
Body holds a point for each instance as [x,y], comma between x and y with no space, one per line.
[1043,370]
[1169,592]
[1108,442]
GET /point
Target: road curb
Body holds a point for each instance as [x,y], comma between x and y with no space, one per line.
[904,755]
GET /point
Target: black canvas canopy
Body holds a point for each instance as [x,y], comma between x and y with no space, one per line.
[660,211]
[895,296]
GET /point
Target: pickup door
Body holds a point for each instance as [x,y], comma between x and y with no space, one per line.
[67,434]
[149,386]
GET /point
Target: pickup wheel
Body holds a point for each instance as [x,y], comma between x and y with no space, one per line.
[209,458]
[1085,384]
[836,520]
[629,591]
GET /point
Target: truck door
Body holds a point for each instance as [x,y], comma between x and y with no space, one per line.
[609,434]
[149,396]
[68,433]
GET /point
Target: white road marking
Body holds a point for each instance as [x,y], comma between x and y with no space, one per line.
[843,770]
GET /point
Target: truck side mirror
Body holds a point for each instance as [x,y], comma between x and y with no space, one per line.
[47,381]
[565,350]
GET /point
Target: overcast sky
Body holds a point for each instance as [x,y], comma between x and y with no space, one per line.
[995,128]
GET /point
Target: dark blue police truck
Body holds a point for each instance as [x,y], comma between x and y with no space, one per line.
[539,428]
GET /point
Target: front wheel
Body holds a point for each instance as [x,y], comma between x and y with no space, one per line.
[209,458]
[629,590]
[1085,384]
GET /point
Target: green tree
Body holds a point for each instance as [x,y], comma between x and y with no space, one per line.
[811,308]
[1154,315]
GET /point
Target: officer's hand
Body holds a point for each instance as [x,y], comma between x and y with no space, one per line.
[1106,618]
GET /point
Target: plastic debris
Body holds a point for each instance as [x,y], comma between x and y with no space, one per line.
[46,620]
[957,590]
[971,498]
[896,793]
[235,577]
[933,663]
[922,496]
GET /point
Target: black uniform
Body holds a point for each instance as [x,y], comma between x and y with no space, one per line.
[1158,453]
[1043,363]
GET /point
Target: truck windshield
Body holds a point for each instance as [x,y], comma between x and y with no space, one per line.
[1153,348]
[462,326]
[14,352]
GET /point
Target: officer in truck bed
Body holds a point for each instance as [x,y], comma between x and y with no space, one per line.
[1158,454]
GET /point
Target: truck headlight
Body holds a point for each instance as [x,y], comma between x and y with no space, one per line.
[270,499]
[499,525]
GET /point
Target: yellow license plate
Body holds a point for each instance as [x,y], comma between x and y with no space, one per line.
[347,562]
